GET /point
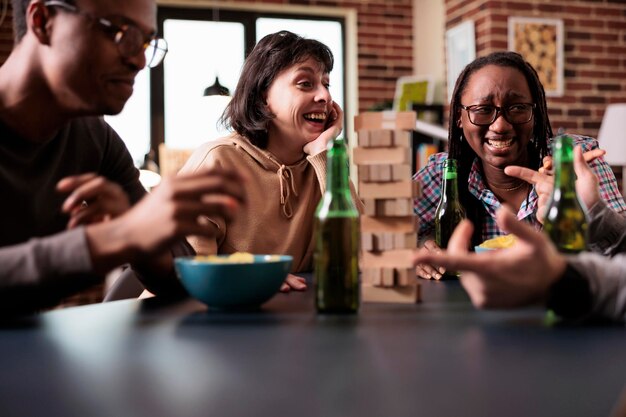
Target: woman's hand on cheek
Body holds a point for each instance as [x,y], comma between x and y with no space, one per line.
[334,126]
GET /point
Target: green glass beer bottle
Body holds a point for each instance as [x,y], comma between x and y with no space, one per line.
[449,212]
[566,219]
[336,263]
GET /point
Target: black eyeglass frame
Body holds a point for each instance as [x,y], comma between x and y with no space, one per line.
[504,111]
[154,47]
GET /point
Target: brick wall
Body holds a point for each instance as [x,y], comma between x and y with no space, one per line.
[385,43]
[6,33]
[594,50]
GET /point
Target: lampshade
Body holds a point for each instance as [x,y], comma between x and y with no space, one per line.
[612,135]
[216,89]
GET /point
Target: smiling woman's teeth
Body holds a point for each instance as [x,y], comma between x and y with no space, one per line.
[500,143]
[318,117]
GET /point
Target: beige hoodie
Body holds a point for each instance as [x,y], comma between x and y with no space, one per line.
[281,201]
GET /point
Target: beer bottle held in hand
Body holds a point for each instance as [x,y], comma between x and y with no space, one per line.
[566,218]
[449,212]
[336,253]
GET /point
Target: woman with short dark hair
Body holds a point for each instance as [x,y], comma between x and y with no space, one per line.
[283,117]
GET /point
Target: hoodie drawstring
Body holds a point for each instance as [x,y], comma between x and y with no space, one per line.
[285,175]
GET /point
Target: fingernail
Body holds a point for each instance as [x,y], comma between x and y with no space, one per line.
[437,277]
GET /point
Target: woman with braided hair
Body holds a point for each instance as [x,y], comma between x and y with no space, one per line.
[498,118]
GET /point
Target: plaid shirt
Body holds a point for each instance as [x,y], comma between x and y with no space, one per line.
[429,179]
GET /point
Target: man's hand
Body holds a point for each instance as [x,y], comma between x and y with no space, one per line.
[92,199]
[502,278]
[333,129]
[586,182]
[171,212]
[173,209]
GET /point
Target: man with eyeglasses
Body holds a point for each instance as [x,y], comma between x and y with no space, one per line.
[72,205]
[498,119]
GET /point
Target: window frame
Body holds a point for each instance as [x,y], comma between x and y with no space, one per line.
[248,19]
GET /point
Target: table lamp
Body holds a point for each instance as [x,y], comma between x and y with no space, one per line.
[612,137]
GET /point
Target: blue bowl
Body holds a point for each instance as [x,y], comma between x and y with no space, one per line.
[233,285]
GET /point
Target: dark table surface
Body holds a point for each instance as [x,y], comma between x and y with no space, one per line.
[438,358]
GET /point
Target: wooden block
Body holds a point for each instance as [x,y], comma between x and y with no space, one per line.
[402,138]
[379,173]
[396,258]
[384,173]
[367,242]
[394,207]
[377,242]
[403,207]
[389,207]
[385,207]
[364,173]
[407,224]
[370,206]
[375,173]
[401,172]
[387,277]
[405,241]
[392,120]
[392,189]
[364,138]
[405,277]
[381,138]
[372,276]
[379,156]
[407,295]
[386,241]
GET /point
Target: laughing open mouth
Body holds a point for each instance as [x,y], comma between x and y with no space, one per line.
[315,117]
[499,144]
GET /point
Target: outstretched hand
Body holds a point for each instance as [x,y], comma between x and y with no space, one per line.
[92,199]
[332,131]
[543,180]
[503,278]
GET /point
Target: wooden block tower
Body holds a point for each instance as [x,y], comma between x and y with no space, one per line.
[388,227]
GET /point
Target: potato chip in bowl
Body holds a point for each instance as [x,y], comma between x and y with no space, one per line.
[500,242]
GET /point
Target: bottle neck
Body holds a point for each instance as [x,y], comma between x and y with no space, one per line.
[338,172]
[564,174]
[450,187]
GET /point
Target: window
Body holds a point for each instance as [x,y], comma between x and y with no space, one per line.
[200,51]
[133,123]
[168,105]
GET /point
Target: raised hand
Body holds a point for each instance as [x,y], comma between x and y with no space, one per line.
[503,278]
[586,182]
[589,156]
[92,199]
[334,126]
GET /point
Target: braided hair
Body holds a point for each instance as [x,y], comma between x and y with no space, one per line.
[461,151]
